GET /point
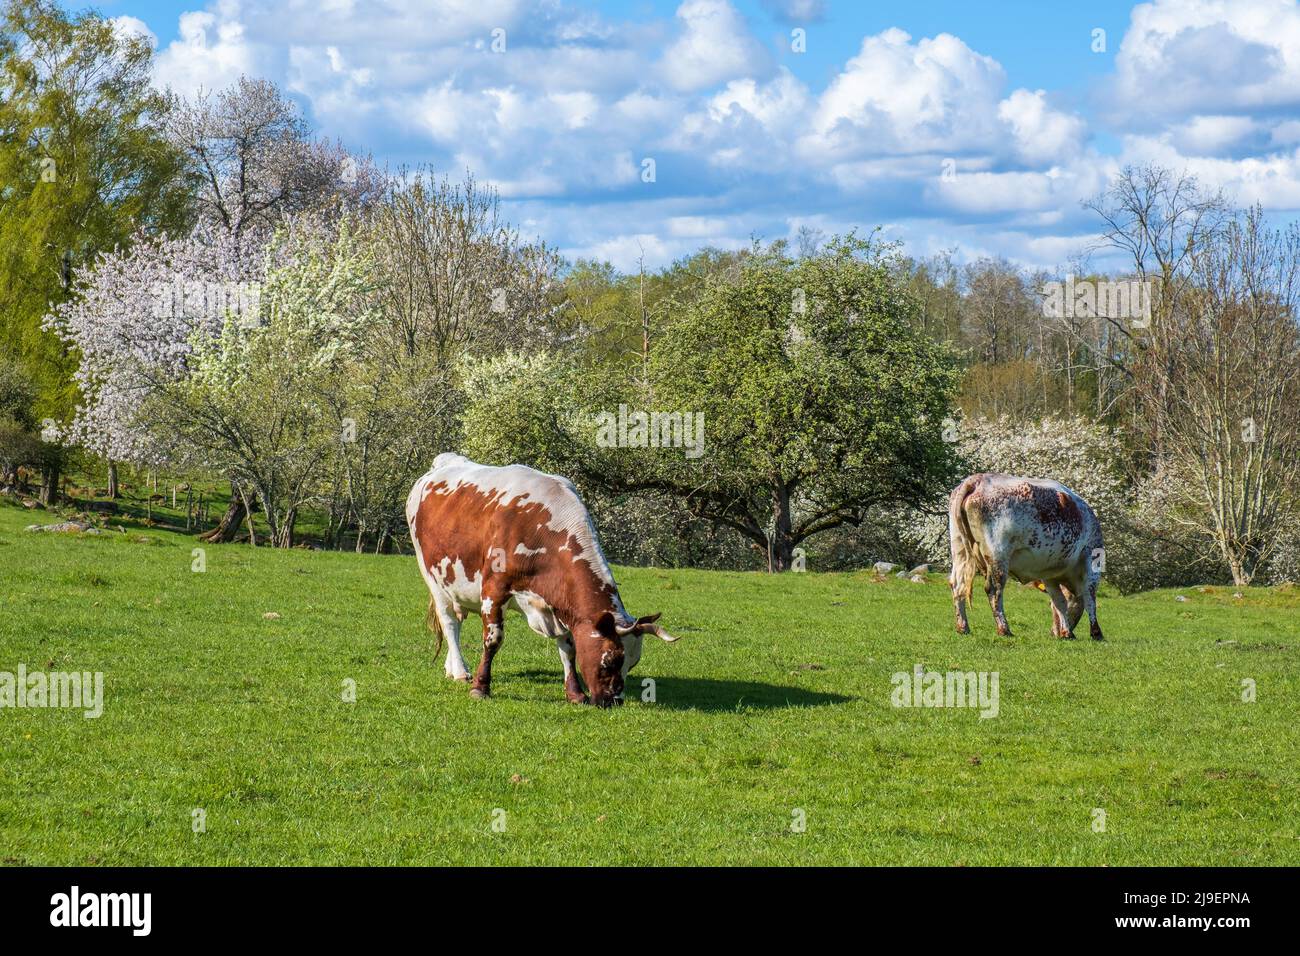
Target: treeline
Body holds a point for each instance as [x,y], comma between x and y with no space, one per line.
[206,288]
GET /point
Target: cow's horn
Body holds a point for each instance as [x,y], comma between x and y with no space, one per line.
[641,623]
[646,624]
[660,632]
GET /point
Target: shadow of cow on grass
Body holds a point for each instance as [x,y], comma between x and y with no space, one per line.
[711,695]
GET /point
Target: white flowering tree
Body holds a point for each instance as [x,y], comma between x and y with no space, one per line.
[213,352]
[133,319]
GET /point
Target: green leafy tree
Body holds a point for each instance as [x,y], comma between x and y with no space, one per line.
[819,401]
[82,168]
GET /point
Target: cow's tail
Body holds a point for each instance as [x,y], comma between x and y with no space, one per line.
[432,623]
[962,578]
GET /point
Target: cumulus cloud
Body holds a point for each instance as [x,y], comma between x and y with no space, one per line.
[210,53]
[899,96]
[563,109]
[1040,133]
[714,45]
[1207,56]
[132,26]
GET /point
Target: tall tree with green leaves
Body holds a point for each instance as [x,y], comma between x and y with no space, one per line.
[792,396]
[83,167]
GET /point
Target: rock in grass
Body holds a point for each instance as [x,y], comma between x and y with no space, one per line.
[883,567]
[65,527]
[921,569]
[270,616]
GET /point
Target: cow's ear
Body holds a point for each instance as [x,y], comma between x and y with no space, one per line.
[606,626]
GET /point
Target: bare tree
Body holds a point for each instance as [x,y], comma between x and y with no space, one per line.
[454,275]
[1154,218]
[1226,393]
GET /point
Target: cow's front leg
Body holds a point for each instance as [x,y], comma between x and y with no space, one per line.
[572,688]
[997,582]
[494,632]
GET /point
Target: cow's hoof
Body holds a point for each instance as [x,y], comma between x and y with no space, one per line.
[963,630]
[478,693]
[1098,637]
[460,677]
[584,699]
[1067,637]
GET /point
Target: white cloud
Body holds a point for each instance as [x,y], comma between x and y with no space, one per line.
[715,45]
[561,121]
[131,26]
[901,97]
[1214,135]
[211,53]
[1204,56]
[1041,134]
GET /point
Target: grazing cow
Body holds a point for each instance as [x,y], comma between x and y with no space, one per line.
[1034,530]
[487,538]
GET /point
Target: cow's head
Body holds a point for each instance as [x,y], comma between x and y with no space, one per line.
[610,651]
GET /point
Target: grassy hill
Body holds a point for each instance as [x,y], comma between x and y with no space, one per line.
[776,701]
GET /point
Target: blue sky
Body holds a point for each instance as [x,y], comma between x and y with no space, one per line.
[970,126]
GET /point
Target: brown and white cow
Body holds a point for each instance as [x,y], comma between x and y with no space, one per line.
[1034,530]
[489,538]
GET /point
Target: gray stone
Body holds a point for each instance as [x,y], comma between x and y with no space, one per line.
[65,527]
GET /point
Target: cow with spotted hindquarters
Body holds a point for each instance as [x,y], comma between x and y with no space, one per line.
[490,538]
[1031,529]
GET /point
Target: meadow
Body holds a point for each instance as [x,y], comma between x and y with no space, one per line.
[771,739]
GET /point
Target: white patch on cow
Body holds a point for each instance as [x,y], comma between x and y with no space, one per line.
[540,616]
[487,605]
[566,649]
[522,548]
[448,620]
[631,651]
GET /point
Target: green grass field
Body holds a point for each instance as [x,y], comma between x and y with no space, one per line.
[776,700]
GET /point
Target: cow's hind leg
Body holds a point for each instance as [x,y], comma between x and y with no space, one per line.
[1074,606]
[494,633]
[996,578]
[1090,605]
[1060,612]
[962,581]
[572,688]
[454,666]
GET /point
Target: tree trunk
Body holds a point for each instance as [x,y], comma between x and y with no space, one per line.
[780,548]
[285,531]
[228,528]
[49,485]
[113,489]
[1240,576]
